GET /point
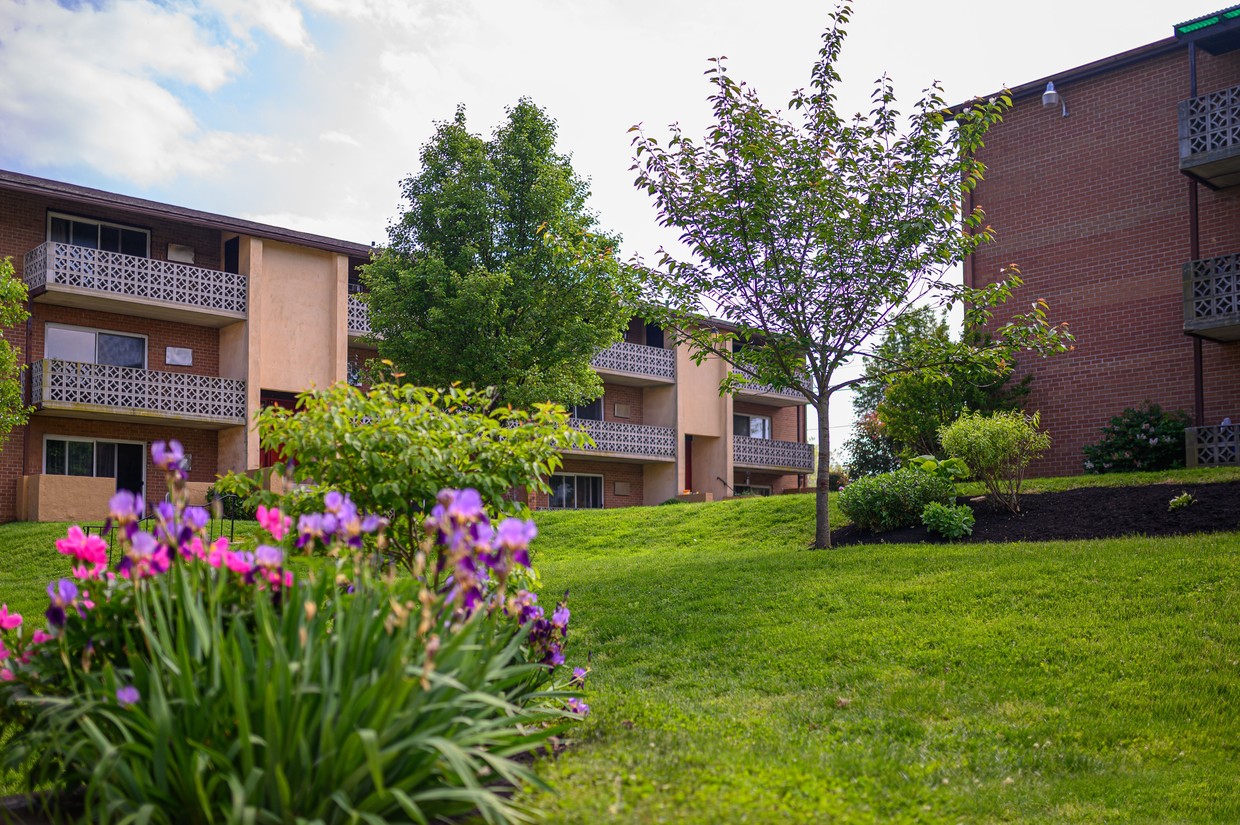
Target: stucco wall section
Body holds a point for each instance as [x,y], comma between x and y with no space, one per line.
[299,349]
[66,498]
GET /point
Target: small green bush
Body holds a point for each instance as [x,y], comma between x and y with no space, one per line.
[952,469]
[1183,500]
[998,449]
[1143,438]
[893,500]
[949,521]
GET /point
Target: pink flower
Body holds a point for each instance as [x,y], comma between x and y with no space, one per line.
[240,562]
[40,637]
[86,548]
[274,522]
[4,652]
[88,573]
[9,621]
[6,675]
[218,553]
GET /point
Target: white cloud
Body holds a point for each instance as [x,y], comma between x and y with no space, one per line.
[281,19]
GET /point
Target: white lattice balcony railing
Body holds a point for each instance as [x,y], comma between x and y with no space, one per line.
[637,359]
[65,266]
[1212,446]
[359,317]
[751,387]
[630,440]
[1212,293]
[124,391]
[768,454]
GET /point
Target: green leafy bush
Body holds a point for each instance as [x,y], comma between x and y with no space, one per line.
[393,448]
[1183,500]
[893,500]
[870,450]
[949,521]
[998,449]
[952,469]
[1143,438]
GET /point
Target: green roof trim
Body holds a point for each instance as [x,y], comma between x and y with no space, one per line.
[1207,21]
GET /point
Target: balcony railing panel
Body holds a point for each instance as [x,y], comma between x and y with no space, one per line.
[765,452]
[1213,446]
[70,384]
[129,276]
[751,387]
[636,440]
[637,359]
[359,316]
[1210,123]
[1212,293]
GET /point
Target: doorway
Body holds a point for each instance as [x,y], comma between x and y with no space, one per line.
[130,468]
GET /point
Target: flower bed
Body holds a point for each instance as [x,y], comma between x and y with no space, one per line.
[197,676]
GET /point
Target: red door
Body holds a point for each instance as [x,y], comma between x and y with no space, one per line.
[284,400]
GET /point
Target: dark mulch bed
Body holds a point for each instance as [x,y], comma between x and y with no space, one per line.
[1087,513]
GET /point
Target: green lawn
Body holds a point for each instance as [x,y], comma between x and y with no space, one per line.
[740,677]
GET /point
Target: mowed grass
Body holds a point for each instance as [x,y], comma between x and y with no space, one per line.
[739,677]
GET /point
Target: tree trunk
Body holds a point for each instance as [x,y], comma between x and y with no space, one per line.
[822,524]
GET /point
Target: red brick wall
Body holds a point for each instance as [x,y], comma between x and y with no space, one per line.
[614,394]
[777,483]
[23,226]
[201,444]
[204,341]
[1094,211]
[611,473]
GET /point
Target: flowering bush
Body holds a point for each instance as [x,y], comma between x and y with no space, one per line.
[1145,438]
[893,500]
[196,677]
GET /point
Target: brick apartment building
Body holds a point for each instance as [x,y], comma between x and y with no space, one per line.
[151,322]
[1119,201]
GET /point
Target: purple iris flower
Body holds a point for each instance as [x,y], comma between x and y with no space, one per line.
[62,594]
[125,507]
[268,556]
[128,696]
[333,501]
[579,675]
[466,506]
[578,707]
[559,619]
[515,536]
[168,456]
[196,518]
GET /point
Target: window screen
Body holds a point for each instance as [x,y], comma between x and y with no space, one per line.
[572,492]
[54,457]
[70,344]
[122,350]
[81,458]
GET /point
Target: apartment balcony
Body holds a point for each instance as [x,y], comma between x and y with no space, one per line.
[767,454]
[636,364]
[1210,138]
[1212,446]
[627,442]
[359,319]
[766,394]
[99,391]
[1212,298]
[67,275]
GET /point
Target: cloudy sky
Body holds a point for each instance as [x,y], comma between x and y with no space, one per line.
[307,113]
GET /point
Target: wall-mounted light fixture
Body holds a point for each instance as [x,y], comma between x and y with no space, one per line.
[1052,98]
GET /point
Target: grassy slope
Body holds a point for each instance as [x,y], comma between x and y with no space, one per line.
[739,677]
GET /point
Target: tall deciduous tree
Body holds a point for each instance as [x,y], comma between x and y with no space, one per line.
[812,236]
[13,412]
[495,275]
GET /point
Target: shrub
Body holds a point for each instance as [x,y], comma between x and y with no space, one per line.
[837,479]
[949,521]
[393,448]
[1183,500]
[998,449]
[893,500]
[952,469]
[231,505]
[1144,438]
[197,678]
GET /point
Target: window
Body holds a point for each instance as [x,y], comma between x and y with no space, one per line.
[589,412]
[754,426]
[90,346]
[109,237]
[124,461]
[576,492]
[751,490]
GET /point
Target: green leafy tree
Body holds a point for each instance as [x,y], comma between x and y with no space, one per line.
[393,449]
[913,406]
[813,233]
[495,275]
[13,412]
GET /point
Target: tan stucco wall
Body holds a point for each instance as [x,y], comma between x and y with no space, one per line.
[705,414]
[658,483]
[65,498]
[301,334]
[196,492]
